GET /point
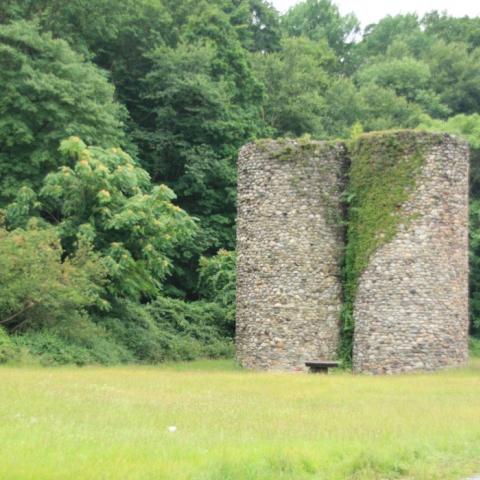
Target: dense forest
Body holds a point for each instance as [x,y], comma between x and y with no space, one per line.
[120,123]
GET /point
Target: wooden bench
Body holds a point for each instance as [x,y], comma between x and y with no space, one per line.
[321,366]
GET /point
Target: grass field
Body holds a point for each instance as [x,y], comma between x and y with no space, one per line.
[112,423]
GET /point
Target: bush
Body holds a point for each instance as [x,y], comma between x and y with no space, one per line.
[217,283]
[52,348]
[7,348]
[105,198]
[475,347]
[191,330]
[37,286]
[133,327]
[169,329]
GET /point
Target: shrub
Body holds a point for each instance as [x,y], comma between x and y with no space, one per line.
[39,287]
[55,347]
[475,347]
[52,349]
[169,329]
[217,283]
[7,347]
[109,201]
[133,327]
[191,330]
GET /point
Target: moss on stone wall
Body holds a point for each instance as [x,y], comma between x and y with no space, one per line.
[383,171]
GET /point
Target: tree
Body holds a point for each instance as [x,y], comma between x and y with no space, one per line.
[257,23]
[295,80]
[435,68]
[321,20]
[408,78]
[191,147]
[453,30]
[457,75]
[378,37]
[201,104]
[48,93]
[108,201]
[217,284]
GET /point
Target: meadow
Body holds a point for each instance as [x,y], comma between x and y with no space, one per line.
[113,423]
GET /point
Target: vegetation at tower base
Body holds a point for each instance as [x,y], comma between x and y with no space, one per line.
[382,173]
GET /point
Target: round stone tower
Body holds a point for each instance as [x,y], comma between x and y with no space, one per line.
[411,305]
[290,240]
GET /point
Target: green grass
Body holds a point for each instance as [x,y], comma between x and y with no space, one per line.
[111,423]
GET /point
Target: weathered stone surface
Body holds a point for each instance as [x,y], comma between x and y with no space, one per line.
[411,304]
[289,244]
[411,307]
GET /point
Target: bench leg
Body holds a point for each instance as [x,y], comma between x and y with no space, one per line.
[320,370]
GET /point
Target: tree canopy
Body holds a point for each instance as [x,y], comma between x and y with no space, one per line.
[49,92]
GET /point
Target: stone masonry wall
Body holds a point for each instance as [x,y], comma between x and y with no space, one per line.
[411,307]
[289,244]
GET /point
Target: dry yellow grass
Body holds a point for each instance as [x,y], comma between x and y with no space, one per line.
[112,423]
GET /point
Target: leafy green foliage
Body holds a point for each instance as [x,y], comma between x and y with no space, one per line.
[381,109]
[187,145]
[48,93]
[191,330]
[295,79]
[107,200]
[52,348]
[203,105]
[475,347]
[440,75]
[457,75]
[217,283]
[169,329]
[37,286]
[474,246]
[257,23]
[407,77]
[321,20]
[7,347]
[452,30]
[467,126]
[379,37]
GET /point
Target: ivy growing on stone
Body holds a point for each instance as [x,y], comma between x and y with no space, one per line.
[383,172]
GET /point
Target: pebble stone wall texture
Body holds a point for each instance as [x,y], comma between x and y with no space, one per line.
[289,243]
[411,307]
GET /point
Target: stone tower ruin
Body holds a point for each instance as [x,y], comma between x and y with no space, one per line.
[289,246]
[410,301]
